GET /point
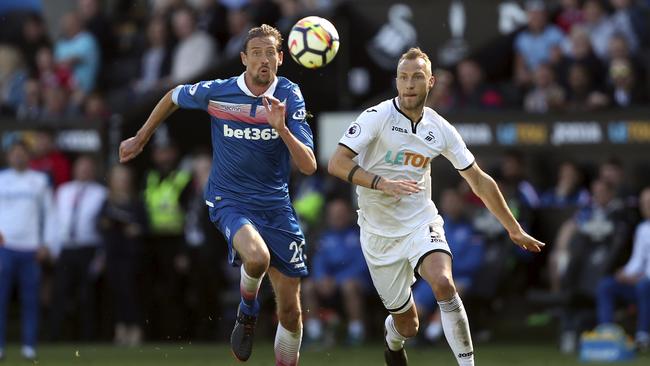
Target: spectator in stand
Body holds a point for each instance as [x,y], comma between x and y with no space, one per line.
[57,105]
[613,172]
[578,50]
[632,282]
[618,49]
[79,261]
[472,91]
[589,246]
[569,15]
[47,158]
[569,190]
[441,96]
[155,64]
[599,26]
[100,26]
[338,267]
[546,95]
[167,190]
[195,51]
[624,88]
[539,43]
[26,225]
[12,80]
[630,20]
[78,50]
[239,23]
[467,248]
[513,174]
[95,108]
[30,109]
[582,94]
[212,19]
[204,247]
[51,74]
[123,222]
[33,38]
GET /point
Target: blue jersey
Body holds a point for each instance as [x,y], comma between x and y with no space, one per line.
[250,162]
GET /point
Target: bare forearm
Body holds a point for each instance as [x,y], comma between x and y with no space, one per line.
[487,189]
[342,167]
[163,109]
[302,155]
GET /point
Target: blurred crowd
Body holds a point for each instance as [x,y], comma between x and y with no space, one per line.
[103,60]
[572,55]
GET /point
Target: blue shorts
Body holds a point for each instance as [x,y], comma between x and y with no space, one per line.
[278,227]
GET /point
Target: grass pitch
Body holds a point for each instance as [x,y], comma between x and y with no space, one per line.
[206,355]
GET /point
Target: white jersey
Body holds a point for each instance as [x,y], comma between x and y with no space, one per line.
[389,144]
[26,209]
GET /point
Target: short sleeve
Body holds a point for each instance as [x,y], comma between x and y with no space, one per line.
[296,114]
[194,96]
[364,130]
[455,150]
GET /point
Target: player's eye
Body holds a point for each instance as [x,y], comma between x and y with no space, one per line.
[270,53]
[402,77]
[257,53]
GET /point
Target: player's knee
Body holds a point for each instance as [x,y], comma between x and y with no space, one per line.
[258,263]
[290,315]
[443,287]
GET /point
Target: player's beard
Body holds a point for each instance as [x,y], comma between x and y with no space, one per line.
[416,105]
[260,80]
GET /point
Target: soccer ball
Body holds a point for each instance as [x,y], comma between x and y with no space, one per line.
[313,42]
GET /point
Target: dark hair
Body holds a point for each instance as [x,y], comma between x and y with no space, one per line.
[264,30]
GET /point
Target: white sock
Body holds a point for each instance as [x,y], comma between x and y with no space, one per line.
[314,328]
[356,329]
[394,340]
[248,286]
[456,327]
[287,346]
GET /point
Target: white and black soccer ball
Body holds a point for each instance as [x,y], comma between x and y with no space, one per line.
[313,42]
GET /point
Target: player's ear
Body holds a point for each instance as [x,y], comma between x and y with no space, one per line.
[280,58]
[243,58]
[432,81]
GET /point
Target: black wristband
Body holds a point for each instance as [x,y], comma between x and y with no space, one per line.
[351,174]
[375,182]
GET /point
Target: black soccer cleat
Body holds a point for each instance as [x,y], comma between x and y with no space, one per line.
[394,358]
[241,339]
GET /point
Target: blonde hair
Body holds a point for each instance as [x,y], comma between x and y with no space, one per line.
[413,54]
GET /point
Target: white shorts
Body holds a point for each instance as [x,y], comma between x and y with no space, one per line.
[393,261]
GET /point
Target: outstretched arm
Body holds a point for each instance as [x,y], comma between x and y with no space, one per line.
[131,147]
[342,166]
[486,188]
[302,155]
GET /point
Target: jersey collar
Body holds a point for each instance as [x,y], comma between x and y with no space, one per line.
[241,83]
[414,124]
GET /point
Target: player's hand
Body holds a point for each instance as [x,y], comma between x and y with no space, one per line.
[130,148]
[275,113]
[398,188]
[526,242]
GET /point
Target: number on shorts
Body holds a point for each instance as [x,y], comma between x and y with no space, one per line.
[297,251]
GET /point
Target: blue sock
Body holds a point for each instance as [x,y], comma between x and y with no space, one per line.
[248,307]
